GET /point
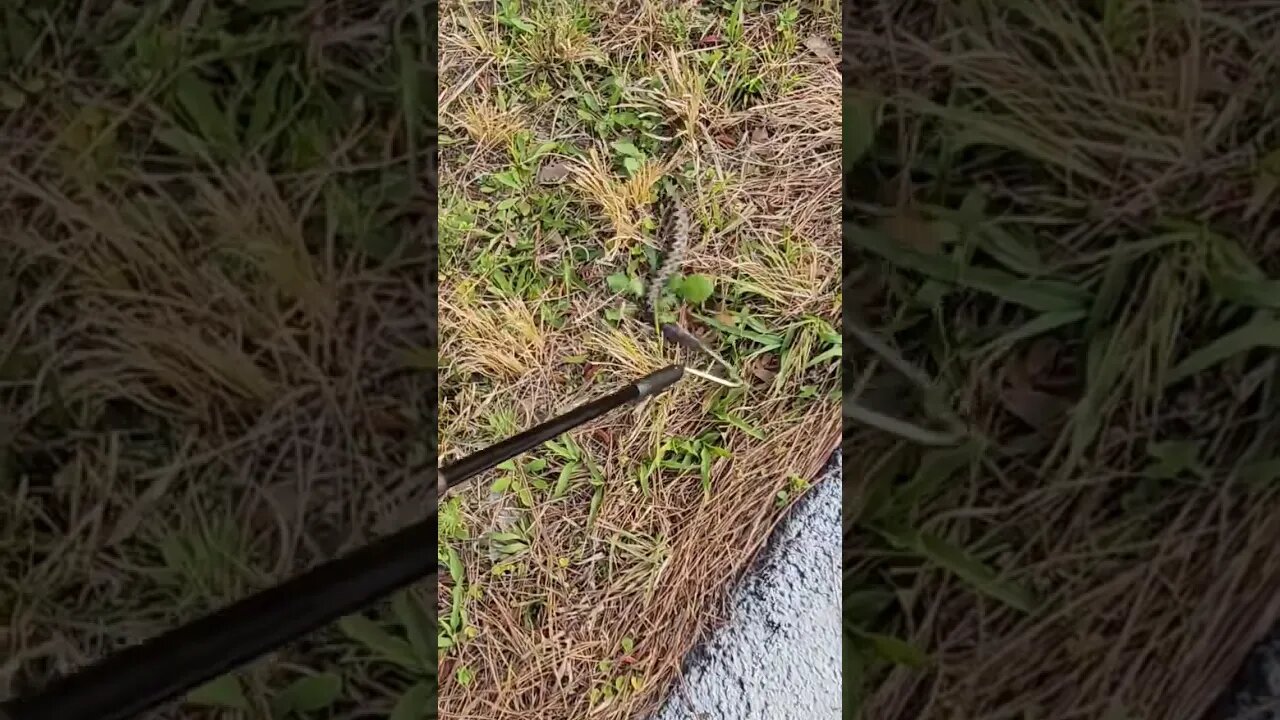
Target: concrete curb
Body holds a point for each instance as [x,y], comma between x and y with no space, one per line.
[778,656]
[1255,693]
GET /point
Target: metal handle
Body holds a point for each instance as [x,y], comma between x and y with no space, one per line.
[163,668]
[649,385]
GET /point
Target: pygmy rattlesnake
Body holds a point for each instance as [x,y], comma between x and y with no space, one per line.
[674,232]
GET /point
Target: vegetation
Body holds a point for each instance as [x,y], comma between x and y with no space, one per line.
[580,576]
[216,330]
[1059,218]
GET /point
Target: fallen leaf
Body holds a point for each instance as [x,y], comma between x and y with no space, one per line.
[553,173]
[1040,410]
[764,368]
[1042,357]
[603,436]
[859,122]
[224,691]
[820,47]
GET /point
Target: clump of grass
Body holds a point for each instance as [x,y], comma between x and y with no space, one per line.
[584,576]
[625,203]
[1040,200]
[489,126]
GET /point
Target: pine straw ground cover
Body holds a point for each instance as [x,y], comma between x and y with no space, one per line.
[216,341]
[1065,215]
[581,575]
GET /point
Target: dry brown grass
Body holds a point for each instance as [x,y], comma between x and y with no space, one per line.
[624,202]
[209,379]
[275,381]
[1097,134]
[555,588]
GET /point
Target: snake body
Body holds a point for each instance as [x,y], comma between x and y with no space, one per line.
[674,232]
[673,238]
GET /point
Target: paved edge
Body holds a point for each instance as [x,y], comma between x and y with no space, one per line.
[1255,691]
[778,656]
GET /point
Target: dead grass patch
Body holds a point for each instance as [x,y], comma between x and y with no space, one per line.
[215,278]
[1102,548]
[586,571]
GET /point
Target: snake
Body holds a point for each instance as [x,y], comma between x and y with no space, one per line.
[675,230]
[674,238]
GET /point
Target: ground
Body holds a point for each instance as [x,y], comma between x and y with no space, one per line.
[216,330]
[217,341]
[1060,224]
[581,575]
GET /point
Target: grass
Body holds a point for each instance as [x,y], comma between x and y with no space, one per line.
[1059,217]
[580,575]
[216,331]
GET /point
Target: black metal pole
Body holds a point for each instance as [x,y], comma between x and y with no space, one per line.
[650,384]
[146,675]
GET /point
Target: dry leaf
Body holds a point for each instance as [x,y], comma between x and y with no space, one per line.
[724,317]
[604,436]
[1043,411]
[764,368]
[553,173]
[1042,357]
[1040,410]
[820,47]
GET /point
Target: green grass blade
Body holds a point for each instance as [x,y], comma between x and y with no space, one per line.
[1039,295]
[372,636]
[858,123]
[224,691]
[895,650]
[1261,332]
[1041,324]
[1004,132]
[418,628]
[197,100]
[1233,276]
[416,703]
[960,563]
